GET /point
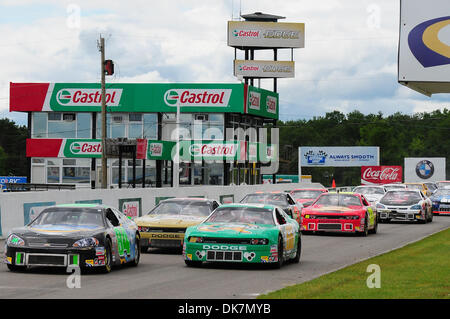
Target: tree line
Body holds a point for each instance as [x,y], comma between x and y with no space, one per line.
[398,136]
[13,161]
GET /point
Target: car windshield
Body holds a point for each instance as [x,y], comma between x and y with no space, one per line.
[414,186]
[401,198]
[69,216]
[369,190]
[343,200]
[248,215]
[441,192]
[274,199]
[389,187]
[182,207]
[306,194]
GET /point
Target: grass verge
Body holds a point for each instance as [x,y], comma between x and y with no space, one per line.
[420,270]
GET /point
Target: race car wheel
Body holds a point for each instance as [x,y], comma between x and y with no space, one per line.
[137,252]
[144,249]
[375,228]
[14,267]
[299,250]
[279,263]
[193,263]
[365,233]
[108,257]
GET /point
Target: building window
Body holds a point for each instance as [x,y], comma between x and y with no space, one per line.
[58,128]
[39,125]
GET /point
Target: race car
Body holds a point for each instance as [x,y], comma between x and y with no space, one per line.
[74,235]
[340,212]
[307,196]
[371,192]
[164,225]
[420,186]
[441,201]
[281,199]
[407,204]
[443,184]
[393,186]
[244,233]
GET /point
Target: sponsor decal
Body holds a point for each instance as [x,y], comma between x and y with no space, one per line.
[381,174]
[88,97]
[425,169]
[198,97]
[224,247]
[426,45]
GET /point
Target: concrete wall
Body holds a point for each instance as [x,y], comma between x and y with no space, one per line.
[18,209]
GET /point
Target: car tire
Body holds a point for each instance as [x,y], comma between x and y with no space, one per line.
[193,263]
[144,249]
[15,268]
[375,228]
[137,254]
[108,258]
[365,233]
[280,261]
[296,259]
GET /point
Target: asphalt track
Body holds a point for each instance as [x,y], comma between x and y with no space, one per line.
[163,274]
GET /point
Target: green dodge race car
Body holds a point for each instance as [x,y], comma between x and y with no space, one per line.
[244,233]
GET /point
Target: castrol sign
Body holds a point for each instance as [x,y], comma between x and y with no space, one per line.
[381,174]
[197,97]
[88,97]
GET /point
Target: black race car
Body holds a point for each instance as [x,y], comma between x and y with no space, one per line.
[74,235]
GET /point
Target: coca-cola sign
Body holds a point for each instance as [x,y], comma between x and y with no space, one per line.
[381,174]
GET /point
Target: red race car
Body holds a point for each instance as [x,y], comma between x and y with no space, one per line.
[340,212]
[307,196]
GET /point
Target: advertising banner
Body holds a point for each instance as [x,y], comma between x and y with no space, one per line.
[12,179]
[264,69]
[262,102]
[431,169]
[266,34]
[336,156]
[64,147]
[133,97]
[381,175]
[131,207]
[424,51]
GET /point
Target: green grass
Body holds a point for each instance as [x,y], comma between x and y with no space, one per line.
[417,271]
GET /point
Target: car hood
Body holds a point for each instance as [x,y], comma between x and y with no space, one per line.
[443,198]
[58,231]
[169,220]
[328,209]
[230,229]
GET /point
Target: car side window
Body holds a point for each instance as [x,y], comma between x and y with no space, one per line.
[112,218]
[290,200]
[280,218]
[365,203]
[215,205]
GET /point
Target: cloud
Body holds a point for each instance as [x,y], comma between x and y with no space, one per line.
[349,61]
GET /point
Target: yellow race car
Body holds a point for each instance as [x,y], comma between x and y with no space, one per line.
[420,186]
[164,226]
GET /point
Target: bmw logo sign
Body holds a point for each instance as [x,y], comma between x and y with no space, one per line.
[425,169]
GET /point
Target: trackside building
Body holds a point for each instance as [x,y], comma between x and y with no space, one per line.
[220,138]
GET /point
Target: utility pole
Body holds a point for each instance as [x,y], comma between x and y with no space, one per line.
[104,159]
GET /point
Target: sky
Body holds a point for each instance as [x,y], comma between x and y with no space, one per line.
[349,61]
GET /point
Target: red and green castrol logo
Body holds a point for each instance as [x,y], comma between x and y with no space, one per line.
[88,97]
[82,148]
[197,97]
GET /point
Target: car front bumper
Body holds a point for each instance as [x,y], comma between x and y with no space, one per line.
[406,215]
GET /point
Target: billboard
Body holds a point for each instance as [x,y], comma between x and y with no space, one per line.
[12,179]
[424,51]
[338,156]
[264,69]
[424,169]
[135,97]
[266,34]
[381,175]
